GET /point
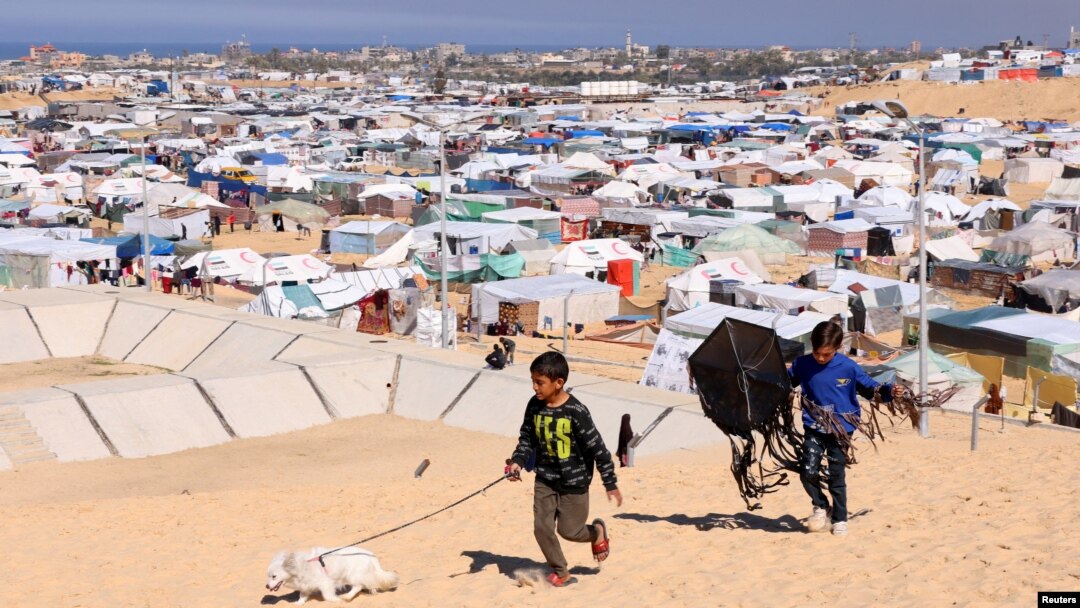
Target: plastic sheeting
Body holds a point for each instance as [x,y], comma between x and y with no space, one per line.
[589,301]
[403,310]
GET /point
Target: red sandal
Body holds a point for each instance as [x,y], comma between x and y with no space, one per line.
[558,581]
[600,548]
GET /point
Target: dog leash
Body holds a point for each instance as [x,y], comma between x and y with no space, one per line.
[505,476]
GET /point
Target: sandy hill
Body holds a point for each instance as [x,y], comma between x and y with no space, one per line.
[1054,98]
[935,524]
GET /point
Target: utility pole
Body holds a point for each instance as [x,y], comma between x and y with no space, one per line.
[853,43]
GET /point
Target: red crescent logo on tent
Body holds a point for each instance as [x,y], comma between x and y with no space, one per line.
[705,273]
[311,263]
[71,178]
[244,256]
[737,269]
[617,248]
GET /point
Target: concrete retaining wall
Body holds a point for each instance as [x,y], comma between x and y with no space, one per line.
[426,388]
[73,331]
[494,404]
[265,401]
[352,386]
[177,341]
[151,415]
[129,325]
[60,422]
[18,336]
[241,346]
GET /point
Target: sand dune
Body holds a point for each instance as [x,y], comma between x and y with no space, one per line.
[1005,100]
[937,524]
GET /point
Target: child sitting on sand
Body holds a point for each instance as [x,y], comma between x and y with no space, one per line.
[559,431]
[829,381]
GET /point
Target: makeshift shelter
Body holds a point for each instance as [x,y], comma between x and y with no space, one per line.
[951,248]
[547,224]
[1032,170]
[537,254]
[538,302]
[284,269]
[1031,243]
[944,374]
[992,214]
[828,237]
[1058,287]
[591,257]
[471,238]
[1063,189]
[370,237]
[37,261]
[705,282]
[770,249]
[642,334]
[59,214]
[791,300]
[285,215]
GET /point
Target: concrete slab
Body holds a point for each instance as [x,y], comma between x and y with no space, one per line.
[18,336]
[5,462]
[241,346]
[73,330]
[644,394]
[425,388]
[60,422]
[177,341]
[293,326]
[679,430]
[129,325]
[607,411]
[353,385]
[311,346]
[151,415]
[33,298]
[494,404]
[266,401]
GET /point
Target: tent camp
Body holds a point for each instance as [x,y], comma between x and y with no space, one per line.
[59,214]
[291,213]
[366,236]
[296,268]
[473,238]
[694,287]
[592,256]
[589,301]
[792,300]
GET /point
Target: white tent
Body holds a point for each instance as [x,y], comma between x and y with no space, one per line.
[1039,241]
[886,174]
[1032,170]
[582,257]
[586,160]
[952,248]
[622,191]
[57,213]
[692,288]
[197,224]
[589,301]
[785,298]
[946,209]
[484,238]
[226,263]
[887,196]
[299,268]
[370,237]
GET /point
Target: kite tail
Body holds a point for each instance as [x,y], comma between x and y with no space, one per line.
[780,441]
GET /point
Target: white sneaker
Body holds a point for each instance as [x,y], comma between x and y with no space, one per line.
[818,520]
[839,528]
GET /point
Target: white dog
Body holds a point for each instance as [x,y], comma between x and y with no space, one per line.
[353,567]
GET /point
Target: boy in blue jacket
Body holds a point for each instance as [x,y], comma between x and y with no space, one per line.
[829,380]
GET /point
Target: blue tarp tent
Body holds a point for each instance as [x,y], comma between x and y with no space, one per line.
[541,141]
[271,158]
[130,246]
[586,133]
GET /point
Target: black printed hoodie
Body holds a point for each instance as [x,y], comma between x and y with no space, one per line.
[567,446]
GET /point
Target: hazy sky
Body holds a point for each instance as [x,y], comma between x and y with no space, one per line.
[722,23]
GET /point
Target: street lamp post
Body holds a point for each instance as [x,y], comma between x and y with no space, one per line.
[445,282]
[145,219]
[896,110]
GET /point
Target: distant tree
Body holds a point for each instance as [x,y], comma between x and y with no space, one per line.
[440,82]
[663,51]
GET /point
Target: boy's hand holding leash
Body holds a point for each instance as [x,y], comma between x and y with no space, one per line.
[898,390]
[513,471]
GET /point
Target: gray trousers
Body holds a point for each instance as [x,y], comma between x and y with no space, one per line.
[562,513]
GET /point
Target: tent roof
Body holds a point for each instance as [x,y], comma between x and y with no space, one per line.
[702,320]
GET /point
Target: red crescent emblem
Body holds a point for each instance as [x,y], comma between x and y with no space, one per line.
[244,257]
[616,247]
[312,263]
[737,269]
[71,178]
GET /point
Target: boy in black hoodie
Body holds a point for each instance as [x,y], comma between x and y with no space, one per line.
[559,432]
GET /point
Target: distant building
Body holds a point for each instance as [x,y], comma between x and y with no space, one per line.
[916,47]
[67,60]
[1074,38]
[236,52]
[443,50]
[140,58]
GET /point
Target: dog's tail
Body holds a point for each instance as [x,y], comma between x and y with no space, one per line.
[386,579]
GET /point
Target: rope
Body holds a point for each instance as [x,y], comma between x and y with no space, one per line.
[415,521]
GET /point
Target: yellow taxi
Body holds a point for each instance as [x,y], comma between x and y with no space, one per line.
[238,174]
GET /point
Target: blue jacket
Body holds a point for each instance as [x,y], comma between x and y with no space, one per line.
[833,387]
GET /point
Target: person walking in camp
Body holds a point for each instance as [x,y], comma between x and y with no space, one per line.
[217,225]
[231,220]
[829,382]
[559,435]
[510,347]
